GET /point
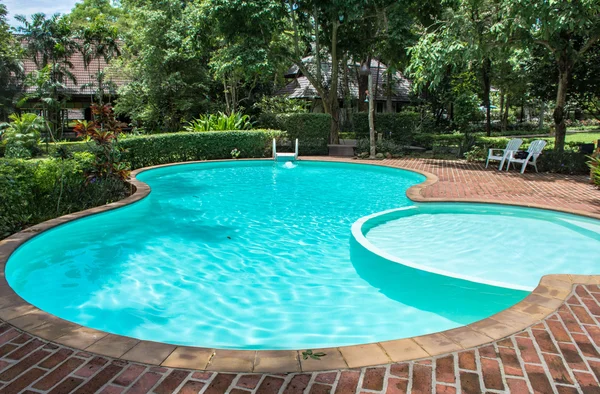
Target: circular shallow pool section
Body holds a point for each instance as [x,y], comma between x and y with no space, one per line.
[247,255]
[500,245]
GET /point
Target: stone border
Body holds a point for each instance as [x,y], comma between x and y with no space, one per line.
[543,301]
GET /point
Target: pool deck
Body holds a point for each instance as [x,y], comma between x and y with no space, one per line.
[550,343]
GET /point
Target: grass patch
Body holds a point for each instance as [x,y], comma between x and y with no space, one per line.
[583,137]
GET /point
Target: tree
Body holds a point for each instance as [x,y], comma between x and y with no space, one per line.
[86,12]
[99,41]
[248,45]
[566,29]
[165,58]
[49,43]
[11,69]
[462,39]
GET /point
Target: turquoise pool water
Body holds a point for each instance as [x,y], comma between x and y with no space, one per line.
[489,243]
[246,255]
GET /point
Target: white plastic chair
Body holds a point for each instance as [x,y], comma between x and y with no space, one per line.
[512,146]
[533,152]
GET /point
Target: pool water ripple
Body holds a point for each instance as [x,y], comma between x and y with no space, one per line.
[245,255]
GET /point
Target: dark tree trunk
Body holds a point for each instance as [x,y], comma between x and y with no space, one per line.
[486,78]
[505,114]
[564,68]
[388,103]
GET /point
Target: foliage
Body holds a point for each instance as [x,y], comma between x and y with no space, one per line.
[88,12]
[22,134]
[235,153]
[281,105]
[400,127]
[594,165]
[157,149]
[382,146]
[250,41]
[562,162]
[99,40]
[566,30]
[49,43]
[311,129]
[104,131]
[309,353]
[17,152]
[11,69]
[33,191]
[220,122]
[165,58]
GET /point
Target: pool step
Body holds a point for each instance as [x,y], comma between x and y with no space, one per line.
[284,156]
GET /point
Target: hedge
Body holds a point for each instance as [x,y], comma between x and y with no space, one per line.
[400,126]
[311,129]
[32,191]
[149,150]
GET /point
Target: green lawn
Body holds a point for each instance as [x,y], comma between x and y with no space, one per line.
[583,137]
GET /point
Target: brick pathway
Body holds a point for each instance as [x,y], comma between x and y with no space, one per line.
[459,179]
[559,355]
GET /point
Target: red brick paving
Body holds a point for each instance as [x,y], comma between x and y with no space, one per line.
[560,355]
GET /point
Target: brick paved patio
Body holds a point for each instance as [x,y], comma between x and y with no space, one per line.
[558,355]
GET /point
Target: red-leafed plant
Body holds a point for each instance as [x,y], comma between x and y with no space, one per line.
[104,130]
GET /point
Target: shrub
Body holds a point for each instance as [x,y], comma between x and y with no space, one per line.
[219,122]
[69,147]
[594,165]
[383,146]
[32,191]
[22,133]
[157,149]
[400,127]
[281,105]
[104,131]
[312,130]
[563,162]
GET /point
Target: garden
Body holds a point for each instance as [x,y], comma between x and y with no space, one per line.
[157,234]
[149,95]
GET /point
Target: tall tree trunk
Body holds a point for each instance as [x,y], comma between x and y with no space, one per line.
[564,69]
[334,136]
[501,103]
[486,77]
[372,142]
[388,102]
[505,114]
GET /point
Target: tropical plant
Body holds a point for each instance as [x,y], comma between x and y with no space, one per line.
[49,44]
[99,42]
[281,105]
[11,68]
[220,122]
[22,133]
[104,131]
[594,165]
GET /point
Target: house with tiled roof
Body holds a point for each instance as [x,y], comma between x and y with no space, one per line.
[299,87]
[82,88]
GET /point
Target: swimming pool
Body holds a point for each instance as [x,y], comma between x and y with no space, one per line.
[499,245]
[247,255]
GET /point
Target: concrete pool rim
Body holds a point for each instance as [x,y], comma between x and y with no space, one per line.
[551,292]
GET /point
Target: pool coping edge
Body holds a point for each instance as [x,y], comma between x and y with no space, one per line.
[551,292]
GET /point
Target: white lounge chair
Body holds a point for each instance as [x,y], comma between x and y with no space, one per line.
[533,152]
[512,146]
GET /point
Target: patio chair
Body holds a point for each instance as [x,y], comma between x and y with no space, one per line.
[533,152]
[512,146]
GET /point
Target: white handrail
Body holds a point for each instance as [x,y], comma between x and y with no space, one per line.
[296,155]
[274,150]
